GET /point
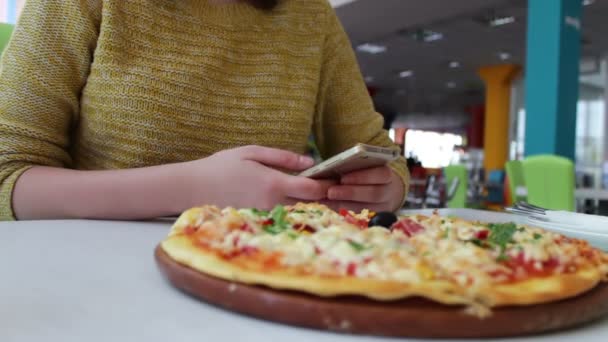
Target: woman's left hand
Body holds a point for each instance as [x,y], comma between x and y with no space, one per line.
[377,189]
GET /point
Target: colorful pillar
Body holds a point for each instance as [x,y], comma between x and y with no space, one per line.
[552,72]
[498,79]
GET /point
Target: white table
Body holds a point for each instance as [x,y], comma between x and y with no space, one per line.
[95,281]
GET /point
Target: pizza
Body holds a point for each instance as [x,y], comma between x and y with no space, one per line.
[312,249]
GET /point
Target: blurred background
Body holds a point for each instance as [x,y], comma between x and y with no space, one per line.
[491,101]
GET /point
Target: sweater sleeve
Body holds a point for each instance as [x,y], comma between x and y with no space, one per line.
[42,73]
[345,113]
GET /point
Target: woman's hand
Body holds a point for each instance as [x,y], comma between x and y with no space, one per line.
[377,189]
[249,177]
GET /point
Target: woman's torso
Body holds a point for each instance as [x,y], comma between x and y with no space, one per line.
[177,80]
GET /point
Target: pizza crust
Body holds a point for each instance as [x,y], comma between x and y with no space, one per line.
[542,290]
[181,249]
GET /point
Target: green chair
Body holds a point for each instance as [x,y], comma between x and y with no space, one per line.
[517,185]
[456,183]
[6,30]
[550,182]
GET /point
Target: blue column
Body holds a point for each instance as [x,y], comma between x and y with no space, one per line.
[552,72]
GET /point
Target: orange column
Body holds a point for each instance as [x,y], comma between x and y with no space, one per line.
[498,79]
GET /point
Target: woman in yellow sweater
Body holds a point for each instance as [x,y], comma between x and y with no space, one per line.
[143,108]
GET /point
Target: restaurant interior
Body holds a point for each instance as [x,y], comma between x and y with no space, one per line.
[452,79]
[498,105]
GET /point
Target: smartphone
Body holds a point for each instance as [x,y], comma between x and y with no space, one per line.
[357,158]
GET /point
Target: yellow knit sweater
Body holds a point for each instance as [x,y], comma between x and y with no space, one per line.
[109,84]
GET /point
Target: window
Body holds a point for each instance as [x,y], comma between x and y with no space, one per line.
[10,10]
[434,150]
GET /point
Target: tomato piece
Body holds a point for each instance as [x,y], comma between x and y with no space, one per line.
[408,227]
[351,269]
[268,222]
[361,223]
[482,234]
[529,267]
[343,212]
[189,230]
[246,228]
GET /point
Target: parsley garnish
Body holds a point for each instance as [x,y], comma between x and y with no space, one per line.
[356,246]
[446,233]
[293,235]
[502,257]
[299,212]
[255,211]
[278,215]
[501,234]
[537,236]
[476,242]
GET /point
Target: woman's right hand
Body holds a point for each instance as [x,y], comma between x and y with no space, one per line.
[249,176]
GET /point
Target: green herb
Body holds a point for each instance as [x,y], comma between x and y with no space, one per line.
[278,215]
[259,212]
[502,257]
[299,211]
[317,212]
[446,233]
[356,246]
[537,236]
[501,234]
[442,221]
[521,229]
[476,242]
[293,235]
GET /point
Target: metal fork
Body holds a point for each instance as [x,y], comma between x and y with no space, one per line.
[527,209]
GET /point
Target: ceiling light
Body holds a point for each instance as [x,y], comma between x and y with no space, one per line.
[406,73]
[588,2]
[504,56]
[451,85]
[454,64]
[499,21]
[371,48]
[492,19]
[427,36]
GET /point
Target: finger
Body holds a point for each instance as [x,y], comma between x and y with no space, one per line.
[307,189]
[356,206]
[376,175]
[359,193]
[277,158]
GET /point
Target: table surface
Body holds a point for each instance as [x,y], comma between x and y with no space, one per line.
[97,281]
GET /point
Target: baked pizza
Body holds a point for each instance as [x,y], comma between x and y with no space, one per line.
[313,249]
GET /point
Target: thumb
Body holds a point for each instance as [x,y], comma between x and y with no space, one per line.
[277,158]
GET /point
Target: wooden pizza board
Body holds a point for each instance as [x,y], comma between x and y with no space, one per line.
[412,317]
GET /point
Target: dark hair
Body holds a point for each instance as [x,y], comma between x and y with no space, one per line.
[264,4]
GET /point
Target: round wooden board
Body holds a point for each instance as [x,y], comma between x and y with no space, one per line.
[412,317]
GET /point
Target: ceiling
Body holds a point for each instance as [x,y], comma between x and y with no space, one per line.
[435,86]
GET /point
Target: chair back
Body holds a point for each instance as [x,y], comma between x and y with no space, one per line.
[456,174]
[6,31]
[515,176]
[550,181]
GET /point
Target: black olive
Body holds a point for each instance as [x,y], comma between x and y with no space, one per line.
[383,219]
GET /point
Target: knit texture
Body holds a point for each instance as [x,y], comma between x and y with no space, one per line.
[113,84]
